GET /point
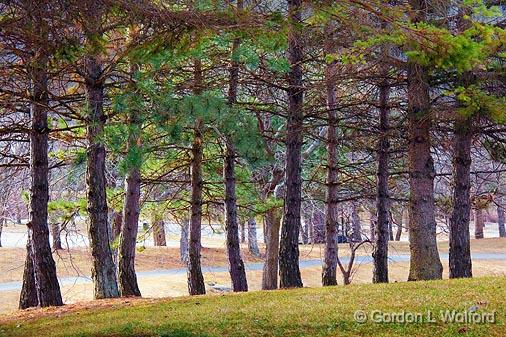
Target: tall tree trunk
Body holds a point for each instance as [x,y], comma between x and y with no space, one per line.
[195,278]
[380,254]
[159,236]
[460,248]
[44,267]
[131,209]
[270,270]
[28,297]
[235,263]
[103,270]
[329,272]
[56,235]
[424,263]
[479,223]
[500,220]
[289,271]
[252,237]
[2,222]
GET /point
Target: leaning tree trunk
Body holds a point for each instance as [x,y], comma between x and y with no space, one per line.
[252,237]
[289,272]
[195,278]
[329,271]
[479,223]
[460,248]
[103,270]
[380,254]
[28,297]
[270,270]
[44,267]
[500,220]
[424,263]
[56,235]
[128,238]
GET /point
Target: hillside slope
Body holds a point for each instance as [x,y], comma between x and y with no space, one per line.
[301,312]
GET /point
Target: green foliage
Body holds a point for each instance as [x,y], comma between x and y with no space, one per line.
[475,101]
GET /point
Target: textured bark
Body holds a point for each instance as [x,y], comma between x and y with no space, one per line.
[380,254]
[28,297]
[242,229]
[128,237]
[2,221]
[103,270]
[252,237]
[56,235]
[479,223]
[183,241]
[196,284]
[235,262]
[289,271]
[270,270]
[159,236]
[424,263]
[44,267]
[460,248]
[329,272]
[500,221]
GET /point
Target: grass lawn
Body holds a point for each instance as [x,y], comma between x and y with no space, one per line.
[301,312]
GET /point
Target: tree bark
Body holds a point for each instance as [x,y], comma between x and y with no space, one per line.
[56,235]
[289,272]
[159,236]
[270,270]
[103,270]
[28,297]
[460,248]
[252,237]
[380,254]
[479,223]
[128,237]
[329,272]
[196,284]
[500,221]
[235,262]
[424,263]
[183,241]
[44,267]
[2,221]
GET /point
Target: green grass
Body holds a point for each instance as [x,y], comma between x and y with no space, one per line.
[301,312]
